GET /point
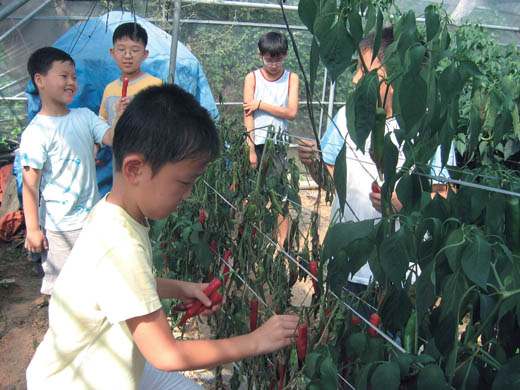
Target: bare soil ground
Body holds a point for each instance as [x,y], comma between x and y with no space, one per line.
[24,314]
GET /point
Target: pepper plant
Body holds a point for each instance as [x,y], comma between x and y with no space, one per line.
[447,269]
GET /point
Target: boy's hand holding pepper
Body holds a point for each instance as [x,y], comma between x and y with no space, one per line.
[278,332]
[375,198]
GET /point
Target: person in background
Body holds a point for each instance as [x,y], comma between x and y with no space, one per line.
[362,202]
[129,51]
[270,100]
[107,328]
[59,176]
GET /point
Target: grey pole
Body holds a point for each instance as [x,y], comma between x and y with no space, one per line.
[24,20]
[11,7]
[175,38]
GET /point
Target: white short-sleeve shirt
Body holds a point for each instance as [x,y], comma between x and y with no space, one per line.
[107,279]
[63,149]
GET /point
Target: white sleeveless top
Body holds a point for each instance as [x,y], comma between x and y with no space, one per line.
[274,92]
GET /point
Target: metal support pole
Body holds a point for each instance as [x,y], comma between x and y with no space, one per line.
[325,74]
[24,20]
[331,102]
[175,38]
[11,7]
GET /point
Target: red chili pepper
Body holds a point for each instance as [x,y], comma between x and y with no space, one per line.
[302,342]
[313,268]
[240,230]
[202,217]
[197,305]
[215,298]
[125,87]
[347,367]
[375,187]
[253,315]
[281,374]
[209,273]
[276,310]
[232,187]
[374,320]
[213,248]
[226,269]
[356,320]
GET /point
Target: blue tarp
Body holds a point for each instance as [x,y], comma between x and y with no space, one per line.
[89,42]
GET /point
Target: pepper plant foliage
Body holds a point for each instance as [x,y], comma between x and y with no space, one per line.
[452,263]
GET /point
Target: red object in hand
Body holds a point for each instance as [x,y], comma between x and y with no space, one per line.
[313,268]
[253,315]
[376,188]
[125,87]
[374,320]
[198,306]
[302,342]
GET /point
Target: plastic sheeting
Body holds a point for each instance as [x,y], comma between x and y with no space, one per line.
[89,42]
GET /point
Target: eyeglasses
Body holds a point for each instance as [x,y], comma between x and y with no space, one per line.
[271,63]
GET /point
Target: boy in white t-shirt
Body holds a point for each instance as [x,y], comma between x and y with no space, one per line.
[56,149]
[270,99]
[107,329]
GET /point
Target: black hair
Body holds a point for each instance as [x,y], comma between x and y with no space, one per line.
[42,59]
[273,43]
[387,38]
[165,124]
[131,30]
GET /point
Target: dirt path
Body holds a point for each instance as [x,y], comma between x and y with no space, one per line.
[23,312]
[23,316]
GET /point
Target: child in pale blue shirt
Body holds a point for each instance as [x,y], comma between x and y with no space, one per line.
[59,175]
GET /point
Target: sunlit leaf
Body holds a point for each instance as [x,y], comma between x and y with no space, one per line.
[336,50]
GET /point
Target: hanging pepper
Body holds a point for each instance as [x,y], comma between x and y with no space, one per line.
[302,342]
[226,270]
[377,140]
[281,374]
[253,315]
[374,320]
[313,268]
[375,187]
[512,224]
[202,217]
[410,334]
[125,87]
[213,248]
[275,202]
[197,307]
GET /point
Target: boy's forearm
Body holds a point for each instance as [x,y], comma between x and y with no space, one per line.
[109,136]
[279,112]
[168,288]
[31,195]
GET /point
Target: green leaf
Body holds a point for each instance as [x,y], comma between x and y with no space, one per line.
[467,377]
[404,360]
[314,61]
[433,22]
[356,26]
[325,18]
[395,254]
[307,11]
[475,125]
[476,259]
[356,344]
[203,254]
[370,18]
[508,377]
[453,291]
[362,378]
[453,249]
[390,159]
[395,309]
[365,102]
[425,290]
[328,371]
[450,83]
[312,364]
[413,97]
[415,57]
[431,377]
[386,376]
[378,35]
[340,178]
[336,49]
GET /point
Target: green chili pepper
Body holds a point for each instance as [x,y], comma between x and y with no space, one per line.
[410,334]
[377,141]
[275,202]
[513,224]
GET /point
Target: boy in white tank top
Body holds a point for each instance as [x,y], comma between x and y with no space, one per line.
[270,98]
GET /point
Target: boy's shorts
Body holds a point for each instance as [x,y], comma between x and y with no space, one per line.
[53,259]
[279,165]
[153,378]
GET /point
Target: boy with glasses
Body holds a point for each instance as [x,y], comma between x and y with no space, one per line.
[270,99]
